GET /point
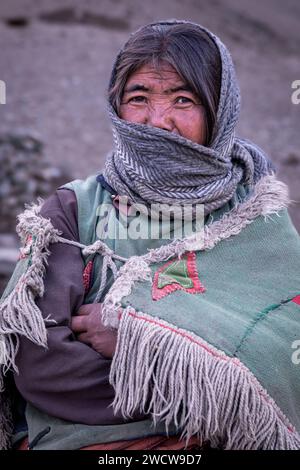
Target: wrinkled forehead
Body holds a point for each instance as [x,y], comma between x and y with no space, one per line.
[162,75]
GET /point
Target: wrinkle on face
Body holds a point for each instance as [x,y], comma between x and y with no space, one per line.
[160,98]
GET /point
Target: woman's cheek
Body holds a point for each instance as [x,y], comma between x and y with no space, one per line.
[132,115]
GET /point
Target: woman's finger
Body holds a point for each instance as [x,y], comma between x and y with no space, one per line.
[84,338]
[85,309]
[79,324]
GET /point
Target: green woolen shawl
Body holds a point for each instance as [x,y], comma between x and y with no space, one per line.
[207,325]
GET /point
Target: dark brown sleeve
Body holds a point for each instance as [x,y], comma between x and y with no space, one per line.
[70,379]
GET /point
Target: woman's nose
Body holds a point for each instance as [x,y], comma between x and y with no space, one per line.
[159,116]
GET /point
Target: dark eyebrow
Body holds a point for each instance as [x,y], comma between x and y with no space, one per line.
[180,88]
[137,87]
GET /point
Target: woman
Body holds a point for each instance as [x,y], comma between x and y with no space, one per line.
[127,330]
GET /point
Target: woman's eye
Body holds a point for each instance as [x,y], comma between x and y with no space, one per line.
[183,100]
[137,99]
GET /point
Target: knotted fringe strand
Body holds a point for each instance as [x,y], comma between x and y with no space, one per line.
[135,269]
[19,313]
[180,379]
[6,421]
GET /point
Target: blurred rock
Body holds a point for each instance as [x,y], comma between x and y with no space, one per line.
[291,160]
[8,259]
[17,22]
[25,175]
[9,253]
[78,16]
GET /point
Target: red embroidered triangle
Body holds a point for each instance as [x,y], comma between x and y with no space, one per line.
[178,274]
[296,299]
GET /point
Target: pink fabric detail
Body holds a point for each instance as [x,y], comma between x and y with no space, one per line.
[150,443]
[296,299]
[25,251]
[87,273]
[124,209]
[159,293]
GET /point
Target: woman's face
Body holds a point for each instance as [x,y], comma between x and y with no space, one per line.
[160,98]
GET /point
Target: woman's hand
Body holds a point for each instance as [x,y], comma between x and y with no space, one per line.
[89,329]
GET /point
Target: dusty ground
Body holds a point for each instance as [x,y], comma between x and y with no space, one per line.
[56,57]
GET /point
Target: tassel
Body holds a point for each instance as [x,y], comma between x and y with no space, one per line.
[19,314]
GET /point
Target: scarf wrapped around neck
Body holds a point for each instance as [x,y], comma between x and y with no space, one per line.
[150,165]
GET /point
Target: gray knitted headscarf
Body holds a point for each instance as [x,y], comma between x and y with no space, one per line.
[151,165]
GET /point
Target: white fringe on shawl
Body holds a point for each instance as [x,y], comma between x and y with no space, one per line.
[19,313]
[179,378]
